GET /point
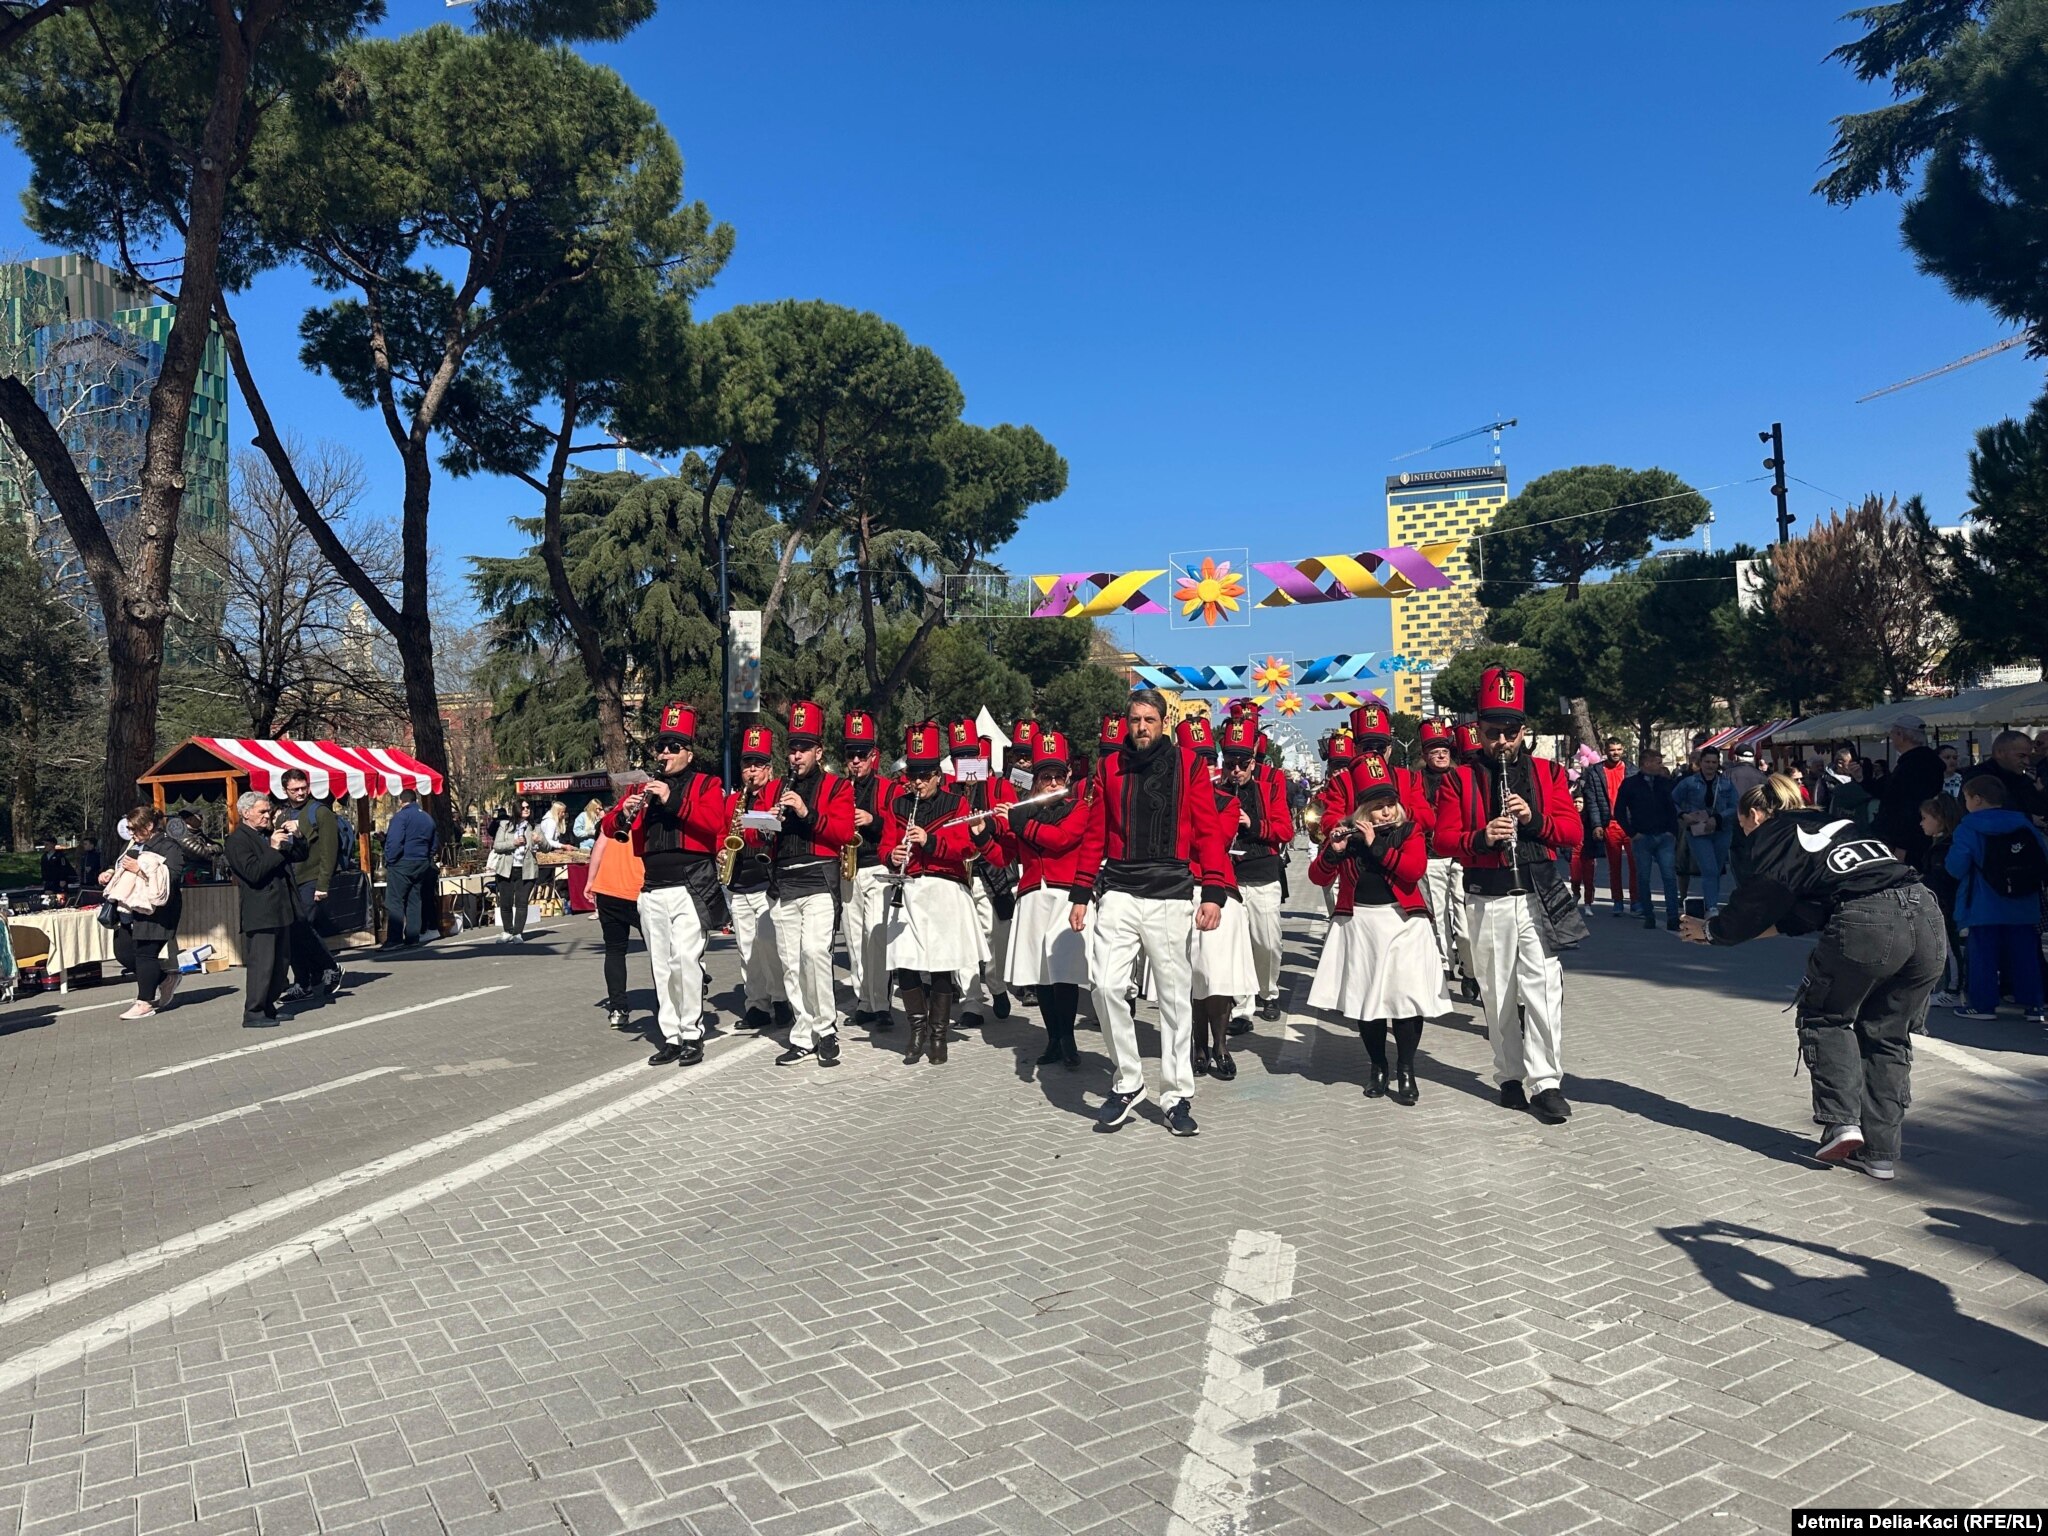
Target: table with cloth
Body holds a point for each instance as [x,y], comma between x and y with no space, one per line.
[211,916]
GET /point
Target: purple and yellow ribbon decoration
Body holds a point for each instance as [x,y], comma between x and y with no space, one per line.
[1391,572]
[1063,599]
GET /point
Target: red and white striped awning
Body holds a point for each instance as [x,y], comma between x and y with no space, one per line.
[1745,735]
[331,769]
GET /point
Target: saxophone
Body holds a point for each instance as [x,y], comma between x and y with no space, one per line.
[729,851]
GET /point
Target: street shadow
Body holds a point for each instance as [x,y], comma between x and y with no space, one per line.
[2007,1034]
[1766,970]
[1342,1061]
[1906,1316]
[1764,1140]
[1066,1089]
[2022,1244]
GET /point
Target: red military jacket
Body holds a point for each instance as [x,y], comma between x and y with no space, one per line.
[872,796]
[1341,795]
[1463,809]
[1202,838]
[946,854]
[1047,842]
[1273,823]
[701,818]
[831,816]
[1404,870]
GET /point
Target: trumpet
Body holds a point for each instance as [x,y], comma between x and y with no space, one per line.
[1312,820]
[729,851]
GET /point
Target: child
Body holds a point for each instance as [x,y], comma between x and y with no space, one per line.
[1938,818]
[1387,972]
[1999,859]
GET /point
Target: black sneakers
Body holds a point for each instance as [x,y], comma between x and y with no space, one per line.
[1002,1005]
[1181,1119]
[1269,1010]
[828,1050]
[1117,1108]
[755,1018]
[792,1055]
[1550,1107]
[618,1018]
[1512,1097]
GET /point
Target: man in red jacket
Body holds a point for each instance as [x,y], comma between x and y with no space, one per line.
[1506,819]
[1154,838]
[676,821]
[863,900]
[817,821]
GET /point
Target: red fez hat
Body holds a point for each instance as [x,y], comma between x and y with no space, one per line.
[1113,728]
[1024,733]
[1466,738]
[1371,778]
[1436,733]
[963,739]
[806,724]
[1503,695]
[921,745]
[1195,732]
[1048,747]
[757,742]
[1240,738]
[858,730]
[1342,748]
[1370,722]
[678,720]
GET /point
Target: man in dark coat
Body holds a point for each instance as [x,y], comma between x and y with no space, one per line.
[1915,778]
[255,854]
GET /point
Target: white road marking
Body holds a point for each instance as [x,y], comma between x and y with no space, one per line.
[1960,1056]
[165,1132]
[314,1034]
[144,1260]
[1215,1487]
[65,1013]
[88,1340]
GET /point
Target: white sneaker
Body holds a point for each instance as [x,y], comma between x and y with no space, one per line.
[169,989]
[1879,1168]
[138,1010]
[1841,1143]
[1945,1000]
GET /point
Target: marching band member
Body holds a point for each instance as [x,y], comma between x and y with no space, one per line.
[1020,763]
[746,894]
[1046,955]
[993,885]
[935,942]
[1505,819]
[863,899]
[1391,975]
[676,821]
[1464,745]
[1442,885]
[1261,828]
[1107,741]
[817,821]
[1372,730]
[1152,827]
[1220,965]
[1338,754]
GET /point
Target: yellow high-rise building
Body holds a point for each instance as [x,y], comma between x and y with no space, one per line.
[1432,506]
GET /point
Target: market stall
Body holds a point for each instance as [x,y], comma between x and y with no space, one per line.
[574,863]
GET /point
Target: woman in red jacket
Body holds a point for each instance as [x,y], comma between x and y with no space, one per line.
[935,942]
[1046,955]
[1390,974]
[1220,963]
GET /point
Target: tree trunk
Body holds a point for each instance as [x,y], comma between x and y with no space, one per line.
[1582,722]
[870,651]
[893,683]
[25,773]
[605,681]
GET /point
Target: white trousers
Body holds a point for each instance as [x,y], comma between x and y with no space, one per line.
[803,942]
[863,908]
[675,945]
[989,980]
[760,966]
[1444,888]
[1521,984]
[1262,913]
[1121,928]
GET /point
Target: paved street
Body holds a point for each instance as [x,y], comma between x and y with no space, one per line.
[446,1255]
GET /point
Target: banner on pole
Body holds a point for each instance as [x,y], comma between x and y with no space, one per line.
[743,682]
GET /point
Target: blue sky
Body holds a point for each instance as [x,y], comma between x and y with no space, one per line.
[1232,260]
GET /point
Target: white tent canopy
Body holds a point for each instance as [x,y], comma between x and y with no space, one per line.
[1976,709]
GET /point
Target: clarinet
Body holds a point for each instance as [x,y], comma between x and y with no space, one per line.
[896,890]
[1500,788]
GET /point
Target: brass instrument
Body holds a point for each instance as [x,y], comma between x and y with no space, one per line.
[729,851]
[849,858]
[1312,819]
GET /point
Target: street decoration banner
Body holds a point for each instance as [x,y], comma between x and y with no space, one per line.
[1392,572]
[1210,588]
[1062,598]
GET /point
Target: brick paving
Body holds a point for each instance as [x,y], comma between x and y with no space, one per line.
[901,1299]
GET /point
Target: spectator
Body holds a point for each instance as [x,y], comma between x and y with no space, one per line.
[58,874]
[348,853]
[1589,798]
[143,931]
[1914,780]
[1706,806]
[1951,773]
[2011,763]
[1613,771]
[2000,861]
[554,826]
[515,848]
[586,824]
[1743,773]
[313,848]
[616,878]
[1650,821]
[1841,792]
[269,903]
[89,866]
[1938,819]
[410,841]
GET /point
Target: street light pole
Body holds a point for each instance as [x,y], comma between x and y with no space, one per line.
[725,647]
[1776,463]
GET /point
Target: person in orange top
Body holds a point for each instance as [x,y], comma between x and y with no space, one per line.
[614,889]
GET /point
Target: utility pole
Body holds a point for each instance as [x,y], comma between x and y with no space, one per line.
[725,645]
[1776,463]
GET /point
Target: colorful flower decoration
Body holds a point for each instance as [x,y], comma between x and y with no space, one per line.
[1214,593]
[1275,673]
[1290,704]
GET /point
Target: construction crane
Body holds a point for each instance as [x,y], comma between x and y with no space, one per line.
[1496,427]
[1962,362]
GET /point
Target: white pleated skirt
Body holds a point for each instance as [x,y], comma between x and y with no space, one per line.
[936,929]
[1221,959]
[1386,966]
[1044,949]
